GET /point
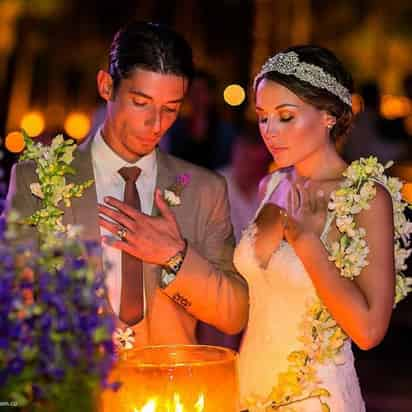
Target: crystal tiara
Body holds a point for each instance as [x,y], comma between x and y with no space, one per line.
[289,64]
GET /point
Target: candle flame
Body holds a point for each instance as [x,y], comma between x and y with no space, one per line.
[149,407]
[177,404]
[200,404]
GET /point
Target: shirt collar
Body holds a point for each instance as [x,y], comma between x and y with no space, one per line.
[105,158]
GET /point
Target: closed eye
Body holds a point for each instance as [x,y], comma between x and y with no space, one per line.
[139,104]
[170,109]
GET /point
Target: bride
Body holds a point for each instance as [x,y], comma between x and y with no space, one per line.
[319,256]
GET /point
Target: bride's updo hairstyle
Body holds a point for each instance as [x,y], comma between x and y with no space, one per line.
[332,76]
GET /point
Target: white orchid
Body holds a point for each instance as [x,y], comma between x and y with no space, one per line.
[354,195]
[36,190]
[171,198]
[124,338]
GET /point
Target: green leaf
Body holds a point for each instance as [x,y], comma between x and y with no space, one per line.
[100,334]
[19,398]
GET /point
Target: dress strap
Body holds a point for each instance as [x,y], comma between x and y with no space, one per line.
[330,217]
[270,188]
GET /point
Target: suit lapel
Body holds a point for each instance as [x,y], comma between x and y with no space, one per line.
[166,175]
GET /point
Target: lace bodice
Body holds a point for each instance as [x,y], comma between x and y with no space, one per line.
[279,296]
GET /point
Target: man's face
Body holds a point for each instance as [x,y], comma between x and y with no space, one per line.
[141,111]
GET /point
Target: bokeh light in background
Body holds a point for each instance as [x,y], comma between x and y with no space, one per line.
[77,125]
[407,192]
[33,123]
[14,142]
[357,103]
[393,107]
[234,95]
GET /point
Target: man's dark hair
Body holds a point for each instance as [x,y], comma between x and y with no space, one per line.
[150,47]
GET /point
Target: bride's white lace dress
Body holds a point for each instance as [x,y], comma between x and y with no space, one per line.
[278,297]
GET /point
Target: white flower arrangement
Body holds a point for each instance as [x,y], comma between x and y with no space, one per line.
[171,198]
[172,194]
[350,252]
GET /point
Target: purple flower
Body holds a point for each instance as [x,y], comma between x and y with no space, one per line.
[79,264]
[62,325]
[73,354]
[45,322]
[15,366]
[114,386]
[2,223]
[184,179]
[59,334]
[38,392]
[93,248]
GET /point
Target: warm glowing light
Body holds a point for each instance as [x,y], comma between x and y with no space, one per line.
[77,125]
[14,142]
[182,378]
[393,107]
[200,404]
[177,404]
[357,103]
[234,95]
[33,123]
[407,192]
[149,407]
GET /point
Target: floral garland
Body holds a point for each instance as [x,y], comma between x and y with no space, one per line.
[322,341]
[354,195]
[52,164]
[322,337]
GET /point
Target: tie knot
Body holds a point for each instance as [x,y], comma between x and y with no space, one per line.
[130,173]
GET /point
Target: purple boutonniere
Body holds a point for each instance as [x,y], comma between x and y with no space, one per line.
[172,194]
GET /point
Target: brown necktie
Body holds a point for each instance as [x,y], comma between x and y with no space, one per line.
[131,301]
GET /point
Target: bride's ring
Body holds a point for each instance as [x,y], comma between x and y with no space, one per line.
[283,214]
[121,233]
[283,217]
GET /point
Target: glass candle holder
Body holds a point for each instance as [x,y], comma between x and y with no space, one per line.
[176,378]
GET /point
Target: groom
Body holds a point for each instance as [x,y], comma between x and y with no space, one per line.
[169,265]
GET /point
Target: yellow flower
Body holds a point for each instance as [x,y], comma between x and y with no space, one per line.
[298,358]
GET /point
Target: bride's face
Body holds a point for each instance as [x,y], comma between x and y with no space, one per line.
[292,129]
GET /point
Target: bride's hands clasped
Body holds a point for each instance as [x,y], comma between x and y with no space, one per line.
[305,210]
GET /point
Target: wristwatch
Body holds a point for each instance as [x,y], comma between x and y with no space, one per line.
[172,266]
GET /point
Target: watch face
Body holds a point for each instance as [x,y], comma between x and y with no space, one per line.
[166,278]
[175,262]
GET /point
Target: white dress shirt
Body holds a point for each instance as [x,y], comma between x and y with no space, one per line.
[106,164]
